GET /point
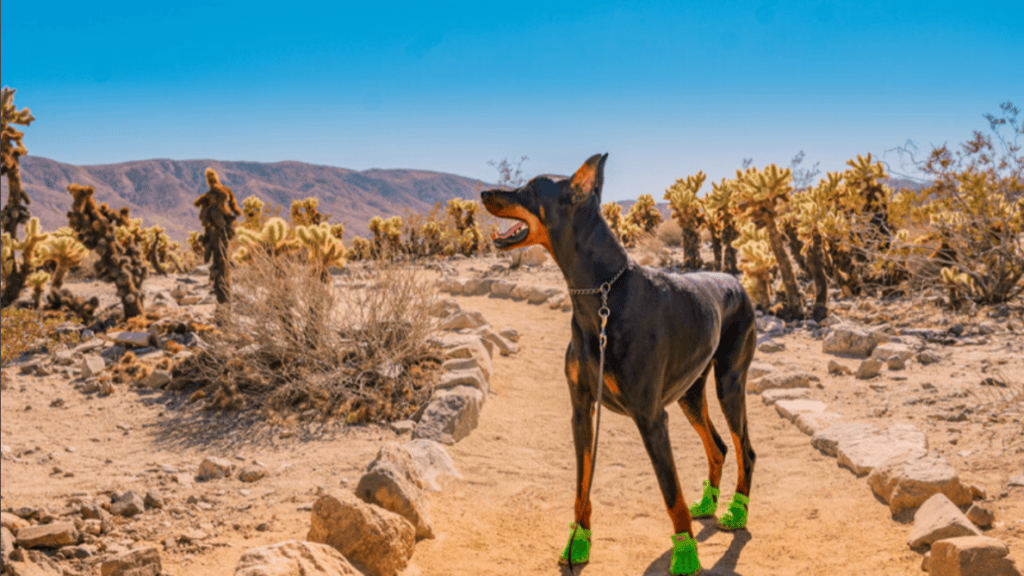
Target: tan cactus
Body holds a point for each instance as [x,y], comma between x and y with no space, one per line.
[644,214]
[218,210]
[689,212]
[17,273]
[719,204]
[37,280]
[322,247]
[64,252]
[756,261]
[15,212]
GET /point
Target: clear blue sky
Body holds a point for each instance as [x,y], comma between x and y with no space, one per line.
[667,88]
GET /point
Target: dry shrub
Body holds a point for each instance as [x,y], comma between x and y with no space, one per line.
[670,234]
[650,250]
[289,343]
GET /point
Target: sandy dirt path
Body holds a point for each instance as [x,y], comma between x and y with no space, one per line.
[512,510]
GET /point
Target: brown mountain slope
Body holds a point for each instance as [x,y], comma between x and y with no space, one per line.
[162,191]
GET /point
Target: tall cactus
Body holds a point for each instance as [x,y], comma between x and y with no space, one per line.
[816,220]
[757,263]
[218,211]
[719,204]
[15,212]
[759,195]
[122,265]
[689,212]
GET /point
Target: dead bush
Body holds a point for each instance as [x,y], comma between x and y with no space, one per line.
[291,344]
[670,234]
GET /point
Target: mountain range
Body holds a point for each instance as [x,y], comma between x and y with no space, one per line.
[162,191]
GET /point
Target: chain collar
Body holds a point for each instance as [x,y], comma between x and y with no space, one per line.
[603,287]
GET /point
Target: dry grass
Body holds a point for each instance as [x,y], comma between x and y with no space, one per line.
[291,344]
[23,330]
[650,250]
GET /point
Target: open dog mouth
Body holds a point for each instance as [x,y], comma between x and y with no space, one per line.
[514,235]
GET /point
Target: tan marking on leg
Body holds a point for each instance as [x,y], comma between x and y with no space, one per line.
[583,509]
[680,514]
[572,369]
[715,458]
[741,478]
[609,381]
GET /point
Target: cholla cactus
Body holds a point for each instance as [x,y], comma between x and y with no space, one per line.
[689,211]
[15,212]
[253,213]
[304,212]
[644,214]
[275,239]
[862,179]
[17,273]
[759,194]
[121,265]
[612,213]
[757,261]
[719,206]
[64,252]
[629,232]
[360,249]
[37,280]
[434,235]
[960,285]
[323,248]
[6,255]
[463,213]
[218,211]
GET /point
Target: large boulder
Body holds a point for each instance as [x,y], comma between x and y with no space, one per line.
[906,484]
[392,481]
[971,556]
[294,558]
[849,341]
[863,450]
[380,541]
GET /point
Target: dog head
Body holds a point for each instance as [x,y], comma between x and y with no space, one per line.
[545,207]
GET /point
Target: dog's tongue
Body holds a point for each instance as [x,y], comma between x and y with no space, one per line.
[511,230]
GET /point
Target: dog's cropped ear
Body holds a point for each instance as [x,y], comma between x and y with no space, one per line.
[589,178]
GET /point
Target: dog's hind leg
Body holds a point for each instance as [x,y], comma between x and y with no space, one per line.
[732,360]
[695,407]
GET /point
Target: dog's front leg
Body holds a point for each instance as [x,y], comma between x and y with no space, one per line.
[583,438]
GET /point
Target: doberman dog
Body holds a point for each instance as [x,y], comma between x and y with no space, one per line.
[665,334]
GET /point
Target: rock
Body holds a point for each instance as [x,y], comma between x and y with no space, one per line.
[127,504]
[463,319]
[156,379]
[863,451]
[92,365]
[213,467]
[770,324]
[906,484]
[827,440]
[771,346]
[132,339]
[505,346]
[926,357]
[848,341]
[535,255]
[890,349]
[393,482]
[510,334]
[971,556]
[402,426]
[835,367]
[477,351]
[789,409]
[770,397]
[759,370]
[6,544]
[138,562]
[52,535]
[869,368]
[252,473]
[980,515]
[453,285]
[895,363]
[502,288]
[937,519]
[451,415]
[444,307]
[783,380]
[811,423]
[294,558]
[541,294]
[12,522]
[154,499]
[520,292]
[477,286]
[467,377]
[380,540]
[1016,481]
[431,460]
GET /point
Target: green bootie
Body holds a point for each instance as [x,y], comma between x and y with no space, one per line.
[580,546]
[706,507]
[736,517]
[684,556]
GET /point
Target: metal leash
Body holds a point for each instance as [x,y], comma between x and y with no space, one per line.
[603,311]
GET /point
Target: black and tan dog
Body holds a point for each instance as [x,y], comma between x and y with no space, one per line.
[665,334]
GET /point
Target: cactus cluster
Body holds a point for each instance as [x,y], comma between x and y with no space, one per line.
[689,212]
[95,226]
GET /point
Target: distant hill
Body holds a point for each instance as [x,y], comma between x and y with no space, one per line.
[162,191]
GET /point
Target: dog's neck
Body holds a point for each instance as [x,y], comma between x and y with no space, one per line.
[591,255]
